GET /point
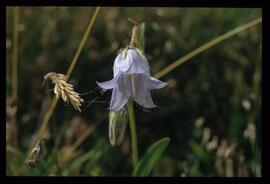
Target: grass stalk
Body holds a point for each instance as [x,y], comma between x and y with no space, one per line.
[77,54]
[71,67]
[207,46]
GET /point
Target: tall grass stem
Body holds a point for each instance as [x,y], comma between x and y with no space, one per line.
[71,67]
[207,46]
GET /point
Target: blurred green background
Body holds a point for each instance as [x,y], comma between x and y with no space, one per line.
[211,108]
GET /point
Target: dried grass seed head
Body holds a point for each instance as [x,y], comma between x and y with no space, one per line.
[64,89]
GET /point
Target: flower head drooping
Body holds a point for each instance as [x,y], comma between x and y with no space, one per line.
[131,79]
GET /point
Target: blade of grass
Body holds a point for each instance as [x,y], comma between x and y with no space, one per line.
[77,54]
[207,46]
[50,111]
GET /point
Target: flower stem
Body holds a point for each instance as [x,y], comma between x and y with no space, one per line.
[134,142]
[133,85]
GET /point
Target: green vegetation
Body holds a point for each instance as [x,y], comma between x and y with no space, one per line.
[210,111]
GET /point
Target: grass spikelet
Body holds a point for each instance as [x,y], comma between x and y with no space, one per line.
[64,90]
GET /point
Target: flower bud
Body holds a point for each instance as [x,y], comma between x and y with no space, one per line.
[117,126]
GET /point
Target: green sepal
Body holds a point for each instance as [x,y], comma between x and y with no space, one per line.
[140,52]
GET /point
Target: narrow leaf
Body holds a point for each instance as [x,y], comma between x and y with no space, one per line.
[151,157]
[141,39]
[199,151]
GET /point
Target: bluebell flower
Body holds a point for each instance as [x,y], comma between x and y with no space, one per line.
[131,79]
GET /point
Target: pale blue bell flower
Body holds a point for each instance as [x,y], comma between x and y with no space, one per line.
[131,79]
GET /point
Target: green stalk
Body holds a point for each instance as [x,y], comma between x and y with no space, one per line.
[49,113]
[134,142]
[206,46]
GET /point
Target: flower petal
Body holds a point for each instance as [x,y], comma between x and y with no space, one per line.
[121,92]
[143,95]
[145,100]
[118,100]
[131,64]
[155,83]
[108,84]
[120,64]
[124,67]
[138,65]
